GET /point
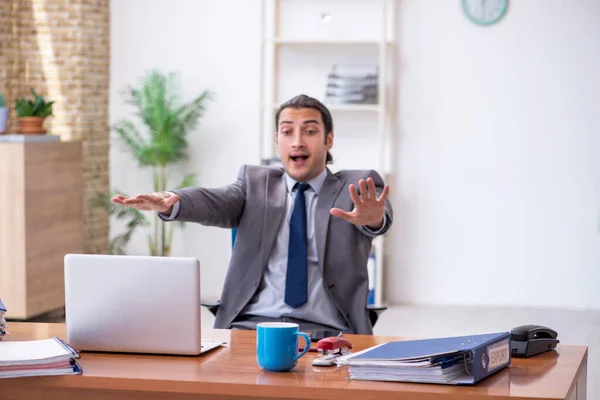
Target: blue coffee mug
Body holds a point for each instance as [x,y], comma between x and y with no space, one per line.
[277,345]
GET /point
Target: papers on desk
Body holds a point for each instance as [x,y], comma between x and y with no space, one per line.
[37,358]
[2,320]
[461,360]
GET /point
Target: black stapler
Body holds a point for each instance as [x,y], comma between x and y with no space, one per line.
[529,340]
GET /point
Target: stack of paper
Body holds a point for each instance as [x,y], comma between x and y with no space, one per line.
[37,358]
[352,84]
[461,360]
[2,320]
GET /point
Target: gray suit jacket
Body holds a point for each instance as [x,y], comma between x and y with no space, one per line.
[255,204]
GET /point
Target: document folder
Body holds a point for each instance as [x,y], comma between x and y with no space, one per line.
[37,358]
[459,360]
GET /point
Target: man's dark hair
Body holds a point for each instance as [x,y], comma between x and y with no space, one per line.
[304,101]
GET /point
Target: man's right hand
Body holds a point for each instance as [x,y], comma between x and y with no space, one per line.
[159,202]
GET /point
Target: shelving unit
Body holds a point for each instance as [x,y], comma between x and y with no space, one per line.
[301,38]
[323,41]
[346,107]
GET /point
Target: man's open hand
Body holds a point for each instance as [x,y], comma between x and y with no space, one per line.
[368,208]
[159,202]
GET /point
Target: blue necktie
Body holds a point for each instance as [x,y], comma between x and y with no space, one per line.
[295,281]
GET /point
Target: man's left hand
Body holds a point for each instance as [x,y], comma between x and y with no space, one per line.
[368,208]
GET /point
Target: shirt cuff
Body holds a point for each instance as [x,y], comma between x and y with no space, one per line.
[370,230]
[175,210]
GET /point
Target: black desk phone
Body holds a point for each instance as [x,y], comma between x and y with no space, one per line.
[529,340]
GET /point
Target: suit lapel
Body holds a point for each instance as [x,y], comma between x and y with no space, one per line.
[275,198]
[329,192]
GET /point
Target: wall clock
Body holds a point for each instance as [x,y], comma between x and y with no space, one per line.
[484,12]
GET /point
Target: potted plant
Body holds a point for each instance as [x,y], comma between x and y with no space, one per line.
[3,115]
[160,141]
[32,114]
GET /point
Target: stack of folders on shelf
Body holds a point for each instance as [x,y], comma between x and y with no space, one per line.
[37,358]
[2,320]
[460,360]
[352,84]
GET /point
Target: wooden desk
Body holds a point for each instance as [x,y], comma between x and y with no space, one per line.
[232,372]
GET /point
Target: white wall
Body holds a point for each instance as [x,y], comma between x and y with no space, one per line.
[498,178]
[497,193]
[212,45]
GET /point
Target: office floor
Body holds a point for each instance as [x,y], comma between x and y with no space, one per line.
[574,327]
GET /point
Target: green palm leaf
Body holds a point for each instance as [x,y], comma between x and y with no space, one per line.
[157,103]
[166,121]
[192,112]
[133,142]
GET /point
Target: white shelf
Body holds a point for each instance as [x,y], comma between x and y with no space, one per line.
[326,41]
[345,107]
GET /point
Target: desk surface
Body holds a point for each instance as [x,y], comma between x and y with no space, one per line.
[232,371]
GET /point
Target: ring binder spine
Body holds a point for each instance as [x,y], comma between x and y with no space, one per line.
[482,365]
[469,363]
[445,358]
[448,360]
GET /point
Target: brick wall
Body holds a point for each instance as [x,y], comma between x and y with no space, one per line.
[61,48]
[10,61]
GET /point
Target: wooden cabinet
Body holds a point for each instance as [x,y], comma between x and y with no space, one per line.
[41,220]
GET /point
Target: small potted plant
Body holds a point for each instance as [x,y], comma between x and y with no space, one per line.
[3,115]
[32,114]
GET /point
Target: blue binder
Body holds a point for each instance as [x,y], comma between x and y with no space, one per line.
[459,360]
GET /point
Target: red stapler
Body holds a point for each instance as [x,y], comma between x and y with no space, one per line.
[331,348]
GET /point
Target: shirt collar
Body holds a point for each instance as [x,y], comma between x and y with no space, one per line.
[316,183]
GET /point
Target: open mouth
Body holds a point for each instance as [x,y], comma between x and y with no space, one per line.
[299,160]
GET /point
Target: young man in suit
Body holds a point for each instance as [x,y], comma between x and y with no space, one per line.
[303,233]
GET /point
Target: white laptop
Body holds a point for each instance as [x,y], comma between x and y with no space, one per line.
[134,304]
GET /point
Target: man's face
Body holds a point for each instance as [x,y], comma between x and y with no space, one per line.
[300,141]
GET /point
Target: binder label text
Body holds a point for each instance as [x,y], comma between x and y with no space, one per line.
[498,354]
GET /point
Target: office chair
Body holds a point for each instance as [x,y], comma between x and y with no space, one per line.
[213,306]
